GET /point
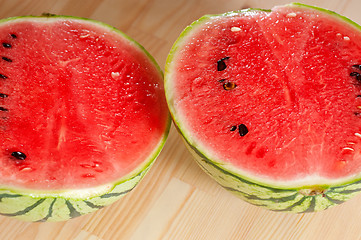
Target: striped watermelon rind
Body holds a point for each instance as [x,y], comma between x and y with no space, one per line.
[43,206]
[299,197]
[36,206]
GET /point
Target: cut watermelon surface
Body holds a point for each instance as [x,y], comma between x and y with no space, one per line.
[82,113]
[269,102]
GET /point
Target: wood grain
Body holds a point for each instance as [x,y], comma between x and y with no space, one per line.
[176,200]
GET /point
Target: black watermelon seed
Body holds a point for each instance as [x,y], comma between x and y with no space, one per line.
[242,129]
[221,65]
[229,85]
[357,113]
[233,128]
[7,45]
[3,109]
[2,95]
[13,35]
[222,80]
[7,59]
[3,76]
[18,155]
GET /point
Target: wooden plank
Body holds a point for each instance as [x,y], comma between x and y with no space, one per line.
[177,200]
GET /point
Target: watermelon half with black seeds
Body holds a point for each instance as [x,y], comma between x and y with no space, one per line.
[82,116]
[269,103]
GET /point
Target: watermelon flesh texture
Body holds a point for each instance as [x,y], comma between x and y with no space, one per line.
[84,105]
[293,91]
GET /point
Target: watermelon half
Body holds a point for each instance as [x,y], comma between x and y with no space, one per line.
[82,116]
[269,102]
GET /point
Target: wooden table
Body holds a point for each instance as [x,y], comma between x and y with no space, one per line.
[176,200]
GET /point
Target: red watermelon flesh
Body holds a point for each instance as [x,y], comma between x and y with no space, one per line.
[85,106]
[282,105]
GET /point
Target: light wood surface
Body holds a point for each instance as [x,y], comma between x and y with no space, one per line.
[176,200]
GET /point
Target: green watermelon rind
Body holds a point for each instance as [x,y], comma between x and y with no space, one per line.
[61,205]
[71,203]
[297,197]
[17,203]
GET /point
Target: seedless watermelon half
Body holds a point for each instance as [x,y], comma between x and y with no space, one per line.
[269,102]
[82,116]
